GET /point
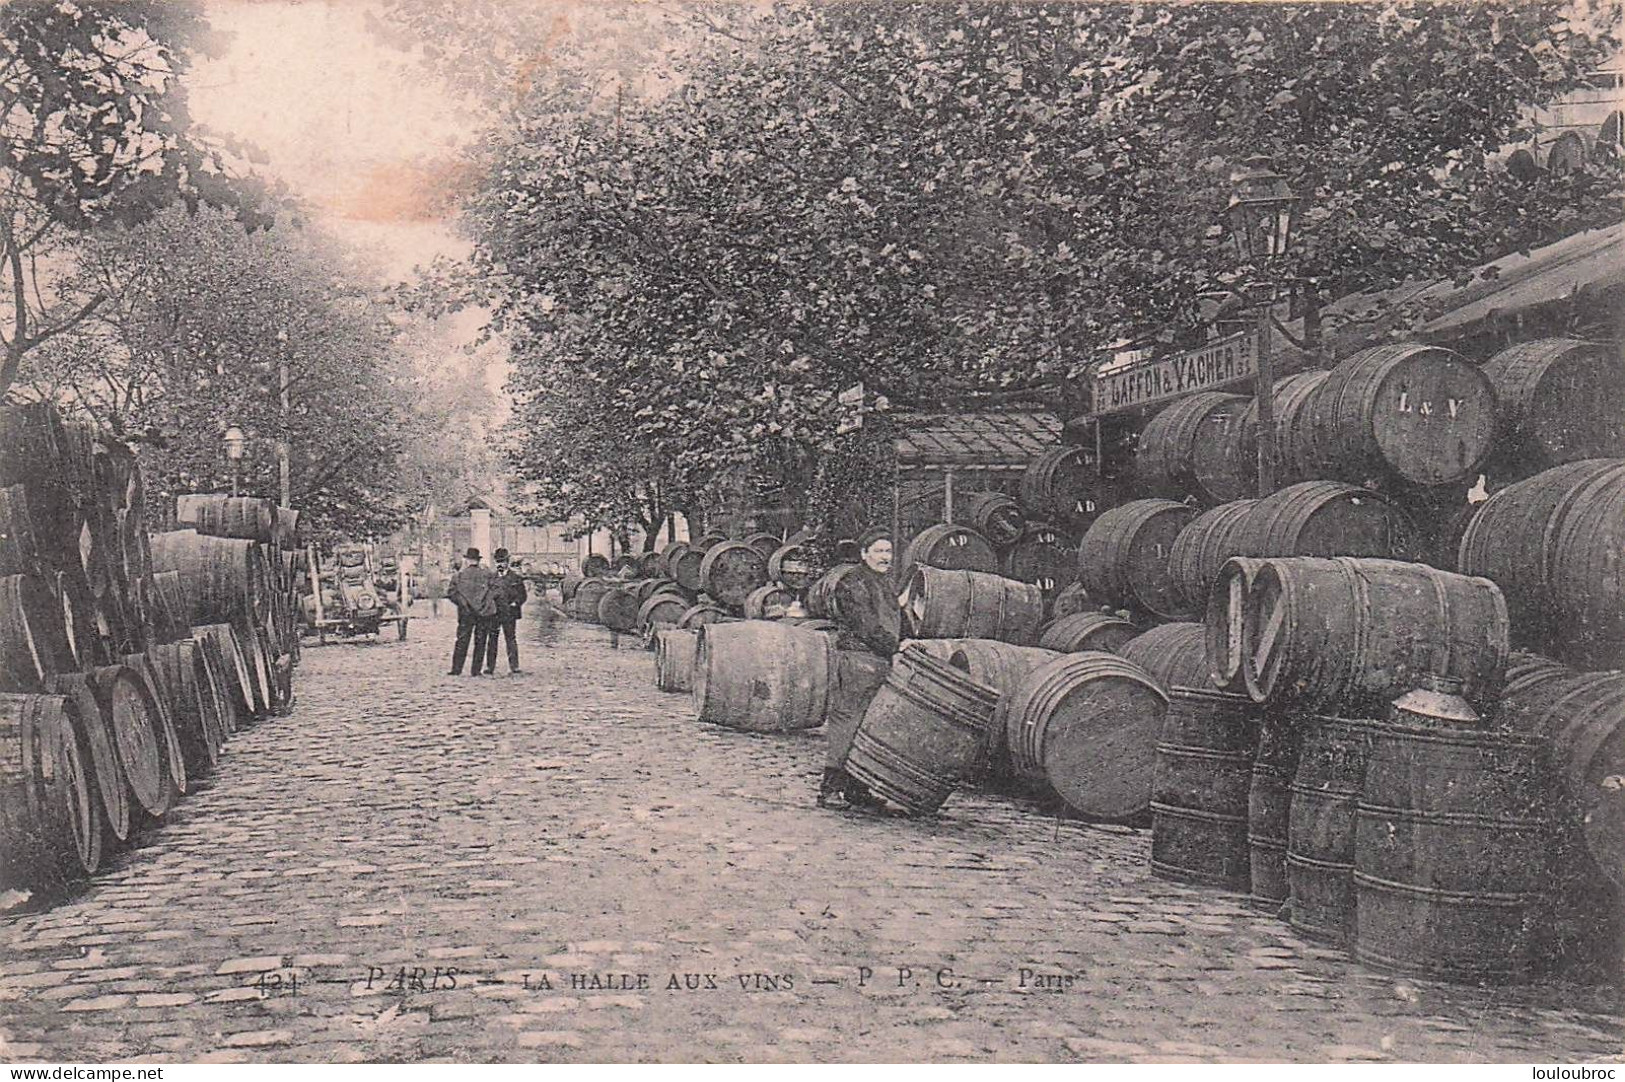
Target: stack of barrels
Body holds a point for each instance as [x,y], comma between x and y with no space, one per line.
[112,703]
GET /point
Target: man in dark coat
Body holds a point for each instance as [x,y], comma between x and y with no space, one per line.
[870,621]
[471,590]
[511,596]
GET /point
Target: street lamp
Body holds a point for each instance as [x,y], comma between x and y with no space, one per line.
[235,442]
[1260,216]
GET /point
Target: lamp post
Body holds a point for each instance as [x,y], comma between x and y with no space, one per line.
[1260,216]
[285,486]
[235,442]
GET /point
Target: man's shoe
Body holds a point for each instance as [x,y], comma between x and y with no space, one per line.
[515,672]
[454,672]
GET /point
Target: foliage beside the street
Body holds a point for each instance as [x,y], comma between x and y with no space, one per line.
[200,321]
[939,202]
[95,130]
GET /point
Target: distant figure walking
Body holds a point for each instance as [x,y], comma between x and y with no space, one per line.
[434,585]
[511,595]
[472,590]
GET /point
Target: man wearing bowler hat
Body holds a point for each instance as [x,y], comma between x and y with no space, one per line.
[509,590]
[473,591]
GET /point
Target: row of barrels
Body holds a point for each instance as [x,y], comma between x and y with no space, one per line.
[1406,412]
[1434,841]
[93,756]
[1160,557]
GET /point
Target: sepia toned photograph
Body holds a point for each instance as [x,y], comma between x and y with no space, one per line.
[812,531]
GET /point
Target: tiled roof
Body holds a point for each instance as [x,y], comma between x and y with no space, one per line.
[975,439]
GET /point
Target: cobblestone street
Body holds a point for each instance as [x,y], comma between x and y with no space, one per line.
[310,901]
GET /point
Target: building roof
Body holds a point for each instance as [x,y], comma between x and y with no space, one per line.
[976,439]
[1586,268]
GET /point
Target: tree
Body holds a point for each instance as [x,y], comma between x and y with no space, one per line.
[941,203]
[201,322]
[94,129]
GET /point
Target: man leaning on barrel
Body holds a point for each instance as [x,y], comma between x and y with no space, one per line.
[869,621]
[473,591]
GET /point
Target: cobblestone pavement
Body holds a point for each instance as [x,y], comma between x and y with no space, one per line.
[573,821]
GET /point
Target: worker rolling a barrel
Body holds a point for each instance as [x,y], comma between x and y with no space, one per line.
[870,631]
[472,591]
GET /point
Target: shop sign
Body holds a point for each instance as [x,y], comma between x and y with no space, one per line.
[1218,364]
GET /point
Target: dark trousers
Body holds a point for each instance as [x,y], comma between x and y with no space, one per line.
[507,630]
[483,633]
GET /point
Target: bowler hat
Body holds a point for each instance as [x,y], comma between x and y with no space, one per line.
[472,554]
[500,554]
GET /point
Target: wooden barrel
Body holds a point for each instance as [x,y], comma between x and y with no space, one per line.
[1353,634]
[994,515]
[824,596]
[1088,724]
[219,710]
[1230,668]
[192,705]
[1063,485]
[1224,461]
[618,609]
[595,565]
[237,679]
[1044,557]
[105,771]
[584,605]
[1165,458]
[1174,655]
[1581,717]
[697,616]
[927,728]
[858,678]
[765,543]
[1320,827]
[33,645]
[1123,559]
[170,613]
[710,540]
[172,759]
[30,443]
[1269,802]
[793,566]
[662,609]
[1450,852]
[1086,631]
[951,548]
[768,602]
[674,658]
[940,604]
[1510,537]
[223,577]
[731,571]
[260,665]
[651,586]
[568,585]
[669,555]
[50,828]
[1000,666]
[19,548]
[762,676]
[246,517]
[1200,782]
[1293,398]
[1420,412]
[223,676]
[1328,518]
[1202,547]
[1587,576]
[1559,400]
[1069,600]
[683,567]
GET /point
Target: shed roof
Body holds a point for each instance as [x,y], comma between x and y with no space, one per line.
[975,439]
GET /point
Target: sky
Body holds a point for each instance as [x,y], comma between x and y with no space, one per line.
[344,124]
